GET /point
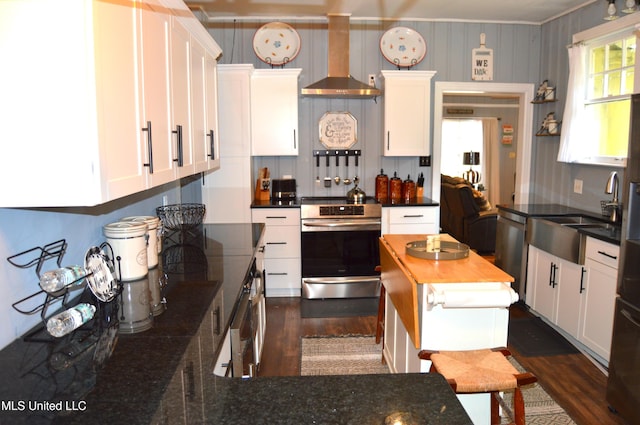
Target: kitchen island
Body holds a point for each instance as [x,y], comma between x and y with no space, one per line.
[441,305]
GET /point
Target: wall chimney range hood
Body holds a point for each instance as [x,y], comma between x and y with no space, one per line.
[339,83]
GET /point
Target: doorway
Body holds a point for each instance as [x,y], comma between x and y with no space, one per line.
[522,130]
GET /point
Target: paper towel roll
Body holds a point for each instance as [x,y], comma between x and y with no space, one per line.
[482,298]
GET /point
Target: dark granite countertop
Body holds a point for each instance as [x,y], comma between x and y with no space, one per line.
[415,202]
[165,374]
[611,235]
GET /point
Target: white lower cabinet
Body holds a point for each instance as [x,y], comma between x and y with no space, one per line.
[557,287]
[601,260]
[282,261]
[399,351]
[578,300]
[410,220]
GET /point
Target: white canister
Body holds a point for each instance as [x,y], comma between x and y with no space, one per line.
[154,232]
[135,311]
[129,242]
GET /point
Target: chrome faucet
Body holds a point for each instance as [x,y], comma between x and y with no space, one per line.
[612,188]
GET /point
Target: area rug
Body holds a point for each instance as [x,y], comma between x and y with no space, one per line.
[358,355]
[534,338]
[349,355]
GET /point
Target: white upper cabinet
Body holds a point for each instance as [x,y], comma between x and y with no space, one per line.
[183,158]
[87,109]
[407,112]
[211,141]
[274,112]
[155,122]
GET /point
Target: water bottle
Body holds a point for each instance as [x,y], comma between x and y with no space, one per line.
[55,280]
[71,319]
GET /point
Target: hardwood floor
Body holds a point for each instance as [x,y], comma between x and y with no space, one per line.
[572,380]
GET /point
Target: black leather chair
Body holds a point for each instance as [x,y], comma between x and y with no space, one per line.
[465,216]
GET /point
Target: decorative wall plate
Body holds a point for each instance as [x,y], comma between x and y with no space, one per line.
[276,43]
[403,47]
[338,130]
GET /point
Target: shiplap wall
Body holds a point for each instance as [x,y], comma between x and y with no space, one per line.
[449,46]
[522,54]
[553,181]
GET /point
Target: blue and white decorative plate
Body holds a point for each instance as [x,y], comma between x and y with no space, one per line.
[276,43]
[403,47]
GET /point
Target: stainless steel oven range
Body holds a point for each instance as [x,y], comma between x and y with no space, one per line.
[340,254]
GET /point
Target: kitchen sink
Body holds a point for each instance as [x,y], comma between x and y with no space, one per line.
[559,235]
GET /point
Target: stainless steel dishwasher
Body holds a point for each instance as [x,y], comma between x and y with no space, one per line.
[511,249]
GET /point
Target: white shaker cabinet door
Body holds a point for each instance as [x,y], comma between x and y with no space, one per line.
[407,113]
[274,112]
[182,145]
[156,116]
[121,139]
[71,134]
[212,139]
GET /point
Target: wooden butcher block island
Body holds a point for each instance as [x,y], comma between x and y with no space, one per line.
[460,304]
[468,298]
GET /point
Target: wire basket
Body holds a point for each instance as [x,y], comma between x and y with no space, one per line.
[181,216]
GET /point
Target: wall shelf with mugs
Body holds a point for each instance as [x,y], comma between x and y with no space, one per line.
[547,94]
[550,126]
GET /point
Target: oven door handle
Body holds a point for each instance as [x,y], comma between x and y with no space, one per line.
[343,223]
[341,280]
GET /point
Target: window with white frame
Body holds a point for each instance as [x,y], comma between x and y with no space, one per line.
[609,88]
[601,81]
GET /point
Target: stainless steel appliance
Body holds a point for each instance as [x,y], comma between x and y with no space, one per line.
[248,326]
[511,249]
[623,387]
[283,189]
[340,253]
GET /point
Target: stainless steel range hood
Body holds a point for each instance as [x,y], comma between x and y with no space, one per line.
[339,83]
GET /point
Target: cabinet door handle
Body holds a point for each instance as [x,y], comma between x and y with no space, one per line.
[217,328]
[276,243]
[555,269]
[551,274]
[613,257]
[413,215]
[178,132]
[149,164]
[278,274]
[582,280]
[188,377]
[212,145]
[294,139]
[388,140]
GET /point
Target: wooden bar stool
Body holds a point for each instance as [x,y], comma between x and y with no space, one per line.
[482,371]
